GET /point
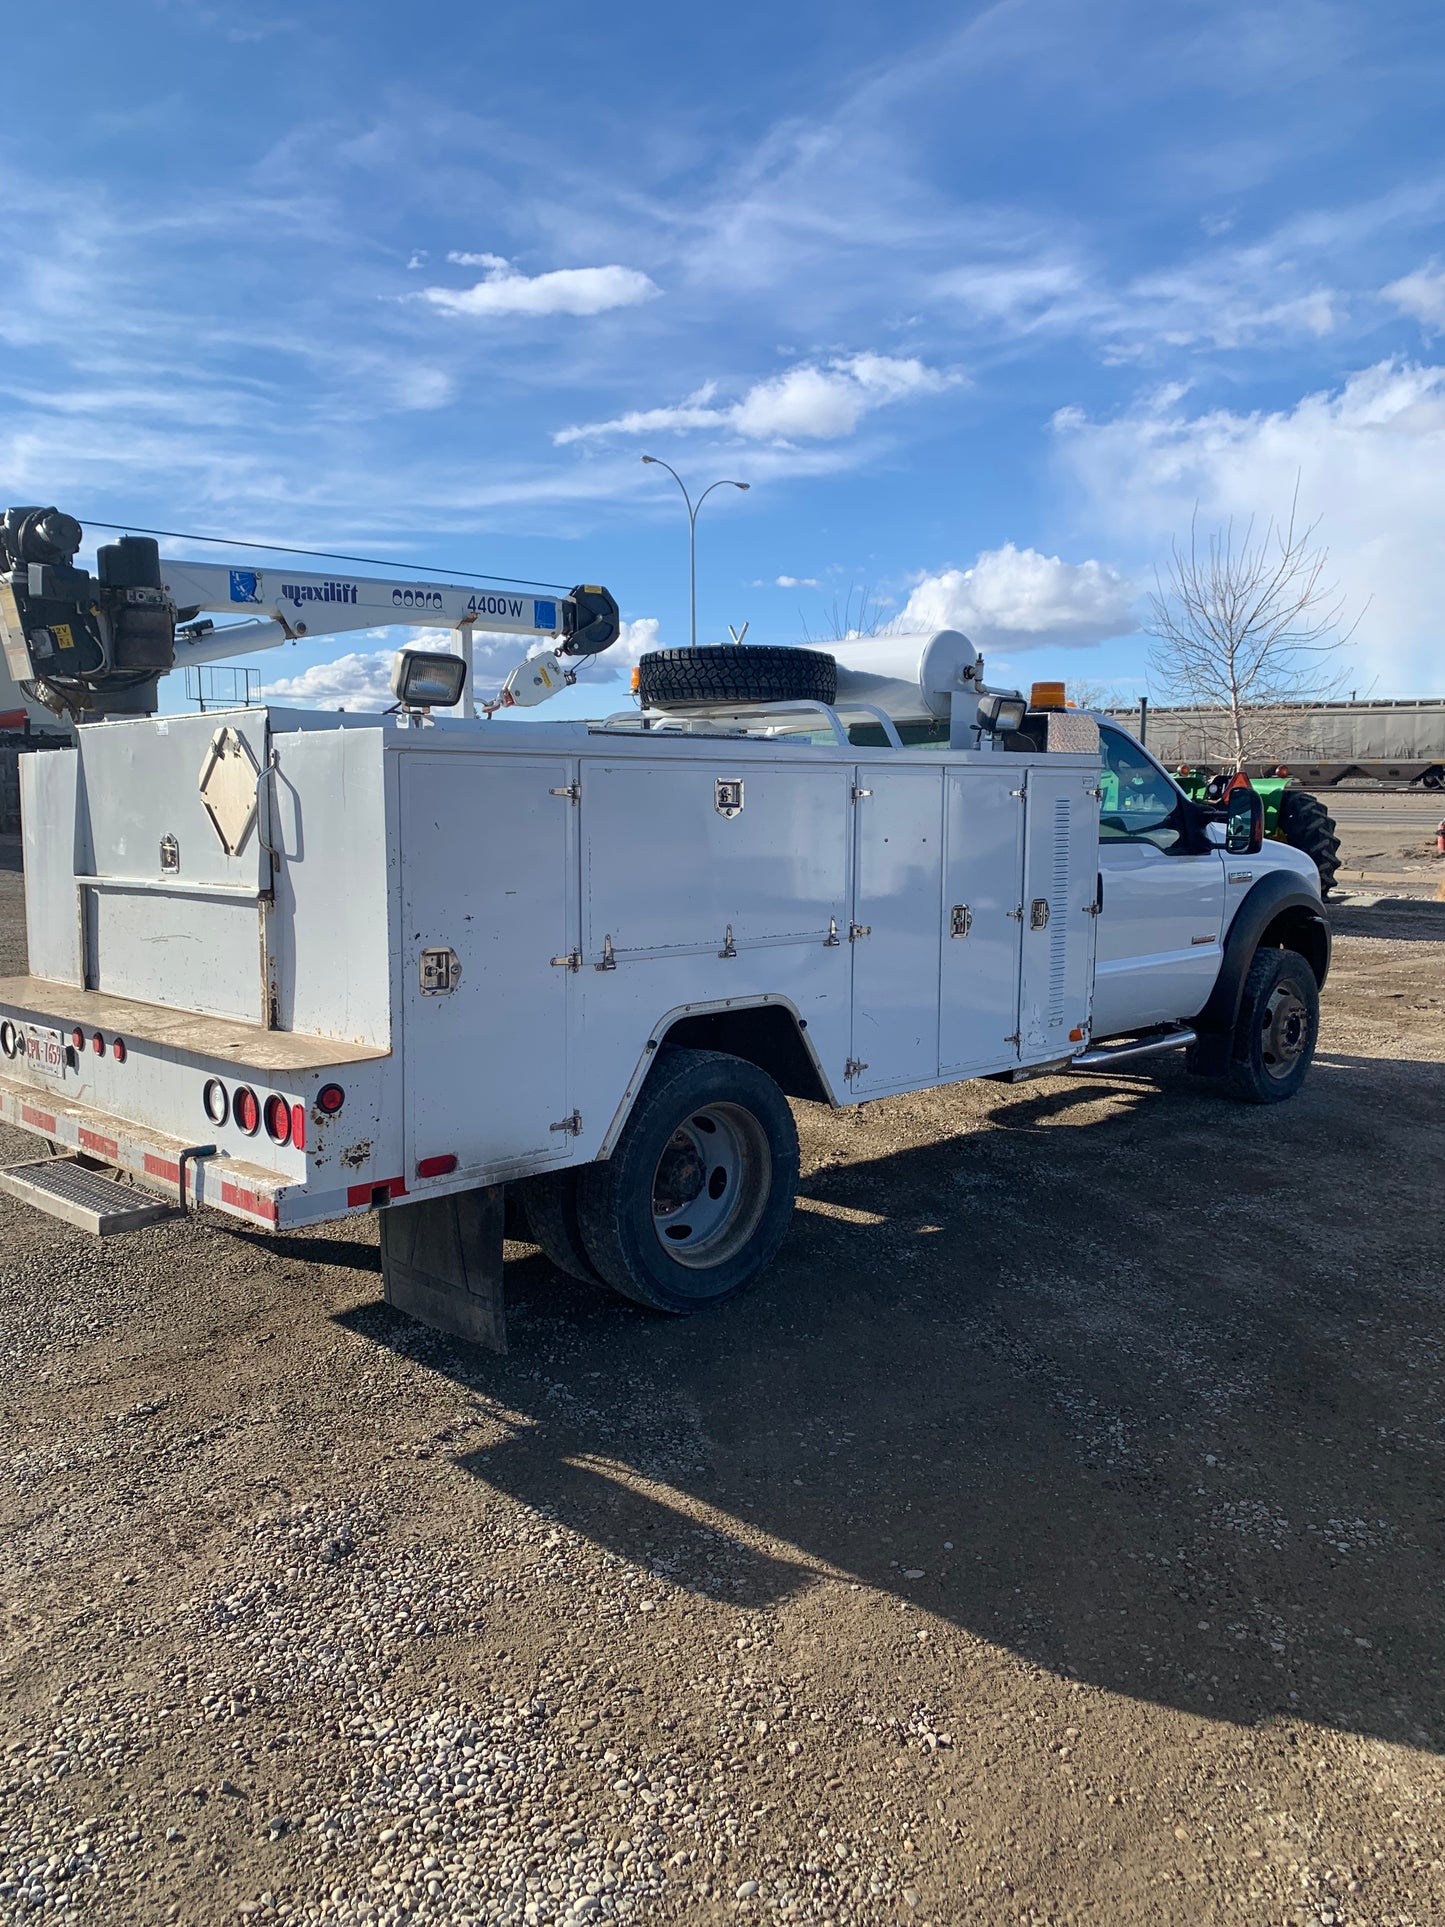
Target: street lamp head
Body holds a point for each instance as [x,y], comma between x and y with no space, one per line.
[742,484]
[649,458]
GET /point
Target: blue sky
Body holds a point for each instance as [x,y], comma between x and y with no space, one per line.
[981,301]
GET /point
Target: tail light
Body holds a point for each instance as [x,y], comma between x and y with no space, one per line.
[298,1126]
[437,1167]
[246,1111]
[77,1038]
[117,1049]
[278,1120]
[97,1044]
[330,1099]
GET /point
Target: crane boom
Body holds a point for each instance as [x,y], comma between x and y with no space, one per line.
[90,646]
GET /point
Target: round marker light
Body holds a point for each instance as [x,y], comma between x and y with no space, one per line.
[278,1120]
[117,1049]
[97,1044]
[246,1111]
[330,1099]
[218,1105]
[77,1038]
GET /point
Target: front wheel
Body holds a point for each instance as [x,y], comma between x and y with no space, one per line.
[1277,1028]
[698,1195]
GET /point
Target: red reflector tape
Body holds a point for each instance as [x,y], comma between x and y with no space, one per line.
[436,1167]
[162,1168]
[42,1120]
[98,1146]
[363,1193]
[248,1201]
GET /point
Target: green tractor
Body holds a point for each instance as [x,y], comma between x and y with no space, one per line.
[1291,815]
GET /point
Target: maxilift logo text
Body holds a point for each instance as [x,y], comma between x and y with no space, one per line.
[299,592]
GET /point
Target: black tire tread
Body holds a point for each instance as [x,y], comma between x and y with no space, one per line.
[1247,1081]
[744,673]
[550,1201]
[601,1187]
[1309,827]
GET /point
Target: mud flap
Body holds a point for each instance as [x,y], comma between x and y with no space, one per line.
[441,1264]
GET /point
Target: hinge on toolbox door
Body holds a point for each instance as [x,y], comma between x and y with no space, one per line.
[1017,915]
[857,930]
[859,794]
[609,962]
[852,1068]
[832,940]
[729,948]
[572,1125]
[1018,792]
[574,790]
[572,961]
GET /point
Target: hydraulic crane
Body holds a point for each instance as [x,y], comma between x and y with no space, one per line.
[94,646]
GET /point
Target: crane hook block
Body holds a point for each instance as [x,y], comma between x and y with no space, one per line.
[594,622]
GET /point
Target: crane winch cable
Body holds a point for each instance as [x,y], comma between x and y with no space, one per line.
[326,555]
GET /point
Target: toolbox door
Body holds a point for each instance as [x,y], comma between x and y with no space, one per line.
[488,868]
[983,880]
[897,871]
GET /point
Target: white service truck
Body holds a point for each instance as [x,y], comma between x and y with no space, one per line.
[294,966]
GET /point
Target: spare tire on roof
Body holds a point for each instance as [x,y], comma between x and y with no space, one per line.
[735,673]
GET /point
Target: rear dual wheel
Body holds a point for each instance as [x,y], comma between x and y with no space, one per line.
[697,1195]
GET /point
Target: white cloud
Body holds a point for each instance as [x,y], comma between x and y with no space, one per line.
[503,290]
[795,582]
[1018,599]
[1421,294]
[1369,459]
[806,402]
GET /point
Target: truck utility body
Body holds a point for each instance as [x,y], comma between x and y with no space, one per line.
[482,938]
[295,966]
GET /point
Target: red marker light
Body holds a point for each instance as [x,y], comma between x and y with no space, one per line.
[97,1044]
[435,1167]
[77,1039]
[246,1111]
[278,1120]
[298,1126]
[330,1099]
[117,1049]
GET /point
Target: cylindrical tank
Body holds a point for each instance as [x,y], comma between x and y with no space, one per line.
[910,678]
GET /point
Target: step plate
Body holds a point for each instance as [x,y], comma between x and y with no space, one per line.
[82,1197]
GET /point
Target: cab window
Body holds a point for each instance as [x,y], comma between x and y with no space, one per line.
[1139,803]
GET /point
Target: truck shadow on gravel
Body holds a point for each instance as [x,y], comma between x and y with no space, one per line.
[1152,1398]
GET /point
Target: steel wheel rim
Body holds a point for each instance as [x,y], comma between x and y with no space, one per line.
[710,1186]
[1285,1031]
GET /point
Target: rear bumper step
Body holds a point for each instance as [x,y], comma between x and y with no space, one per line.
[1108,1057]
[64,1188]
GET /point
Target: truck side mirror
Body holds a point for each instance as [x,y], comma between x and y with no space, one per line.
[1244,822]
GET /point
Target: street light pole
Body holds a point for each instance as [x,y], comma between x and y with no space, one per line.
[656,461]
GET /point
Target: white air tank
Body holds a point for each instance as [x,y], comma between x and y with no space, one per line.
[912,679]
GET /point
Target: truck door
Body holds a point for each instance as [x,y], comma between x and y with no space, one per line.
[983,860]
[1061,839]
[897,882]
[489,897]
[1163,905]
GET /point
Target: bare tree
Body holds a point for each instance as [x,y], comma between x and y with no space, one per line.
[858,614]
[1245,631]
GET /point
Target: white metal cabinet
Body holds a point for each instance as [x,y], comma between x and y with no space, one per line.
[1061,837]
[489,875]
[983,888]
[897,889]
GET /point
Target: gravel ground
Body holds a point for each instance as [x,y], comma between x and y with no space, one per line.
[1055,1537]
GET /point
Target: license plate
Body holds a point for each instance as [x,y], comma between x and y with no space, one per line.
[44,1051]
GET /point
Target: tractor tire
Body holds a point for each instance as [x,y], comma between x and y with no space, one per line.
[1276,1030]
[704,678]
[698,1194]
[1307,825]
